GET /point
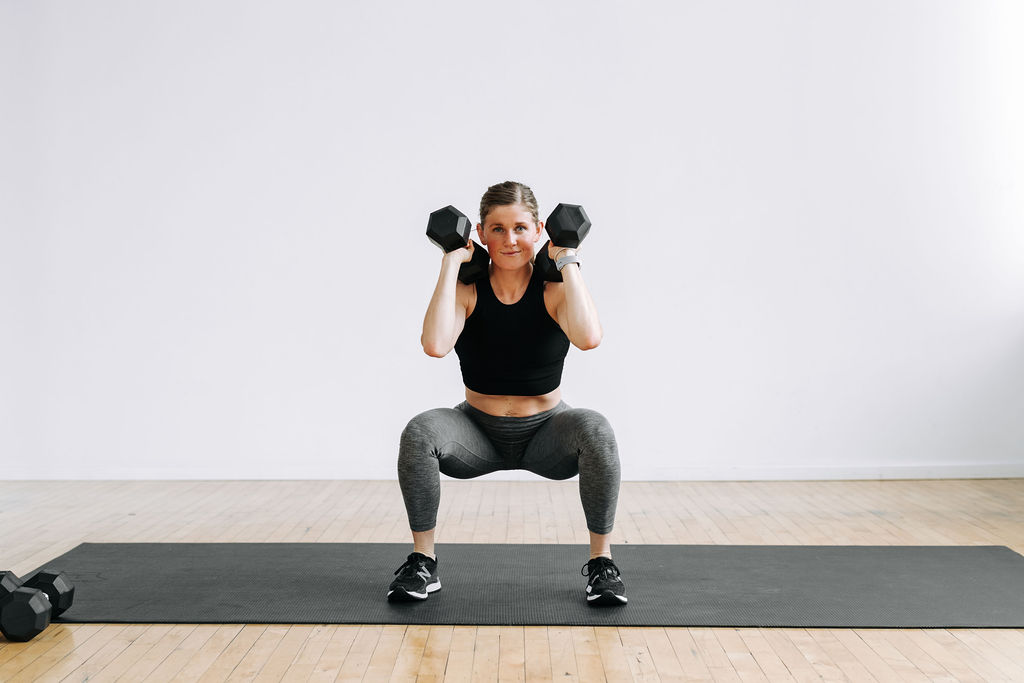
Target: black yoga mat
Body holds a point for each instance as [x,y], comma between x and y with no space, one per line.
[667,585]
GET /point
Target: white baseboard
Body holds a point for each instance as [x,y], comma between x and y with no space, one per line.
[878,472]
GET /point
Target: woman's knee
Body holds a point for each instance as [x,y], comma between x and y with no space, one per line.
[598,450]
[423,435]
[591,426]
[428,425]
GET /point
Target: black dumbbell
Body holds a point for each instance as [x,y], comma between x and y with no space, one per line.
[57,586]
[449,229]
[26,608]
[567,225]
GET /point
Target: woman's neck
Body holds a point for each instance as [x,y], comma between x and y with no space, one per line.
[509,285]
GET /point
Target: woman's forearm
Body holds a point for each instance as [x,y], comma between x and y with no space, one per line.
[584,326]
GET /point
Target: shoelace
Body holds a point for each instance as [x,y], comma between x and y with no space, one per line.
[600,565]
[412,566]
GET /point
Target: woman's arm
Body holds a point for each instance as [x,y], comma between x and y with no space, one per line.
[576,313]
[446,313]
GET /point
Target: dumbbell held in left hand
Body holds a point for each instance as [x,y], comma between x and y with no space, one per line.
[567,225]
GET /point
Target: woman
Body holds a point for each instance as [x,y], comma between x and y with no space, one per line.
[511,331]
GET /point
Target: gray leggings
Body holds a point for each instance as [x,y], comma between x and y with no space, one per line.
[464,442]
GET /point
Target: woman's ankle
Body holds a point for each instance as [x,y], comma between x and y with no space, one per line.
[423,543]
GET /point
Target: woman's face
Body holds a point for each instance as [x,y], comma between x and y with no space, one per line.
[510,235]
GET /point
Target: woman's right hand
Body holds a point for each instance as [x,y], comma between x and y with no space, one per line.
[462,254]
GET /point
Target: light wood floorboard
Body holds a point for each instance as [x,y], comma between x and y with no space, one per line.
[44,519]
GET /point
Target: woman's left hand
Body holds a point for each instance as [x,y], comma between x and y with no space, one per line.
[556,253]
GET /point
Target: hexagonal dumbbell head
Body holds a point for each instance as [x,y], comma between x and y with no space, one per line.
[567,225]
[9,581]
[449,228]
[24,614]
[57,587]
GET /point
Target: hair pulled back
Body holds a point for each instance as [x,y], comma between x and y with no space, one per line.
[506,193]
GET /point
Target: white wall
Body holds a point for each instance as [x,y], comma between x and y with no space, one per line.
[807,250]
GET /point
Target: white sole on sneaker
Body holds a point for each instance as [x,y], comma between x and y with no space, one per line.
[607,598]
[402,595]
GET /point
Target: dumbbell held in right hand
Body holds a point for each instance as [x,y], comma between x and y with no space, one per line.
[449,229]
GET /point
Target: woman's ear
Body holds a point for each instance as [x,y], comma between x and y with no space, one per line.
[480,233]
[540,229]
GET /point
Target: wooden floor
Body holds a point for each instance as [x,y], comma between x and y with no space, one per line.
[43,519]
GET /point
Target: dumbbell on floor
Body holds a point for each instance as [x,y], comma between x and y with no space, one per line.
[449,229]
[567,225]
[26,607]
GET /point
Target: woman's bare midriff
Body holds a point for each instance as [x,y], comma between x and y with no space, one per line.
[513,406]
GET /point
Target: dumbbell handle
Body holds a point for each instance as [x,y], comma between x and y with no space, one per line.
[20,584]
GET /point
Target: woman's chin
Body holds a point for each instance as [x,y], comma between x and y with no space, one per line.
[512,263]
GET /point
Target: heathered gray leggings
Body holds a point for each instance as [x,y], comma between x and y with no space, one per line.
[464,442]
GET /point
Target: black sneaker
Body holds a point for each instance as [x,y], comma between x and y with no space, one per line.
[604,587]
[417,578]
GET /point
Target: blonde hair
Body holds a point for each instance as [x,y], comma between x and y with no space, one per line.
[506,193]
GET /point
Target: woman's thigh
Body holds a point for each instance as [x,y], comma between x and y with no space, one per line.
[462,449]
[555,449]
